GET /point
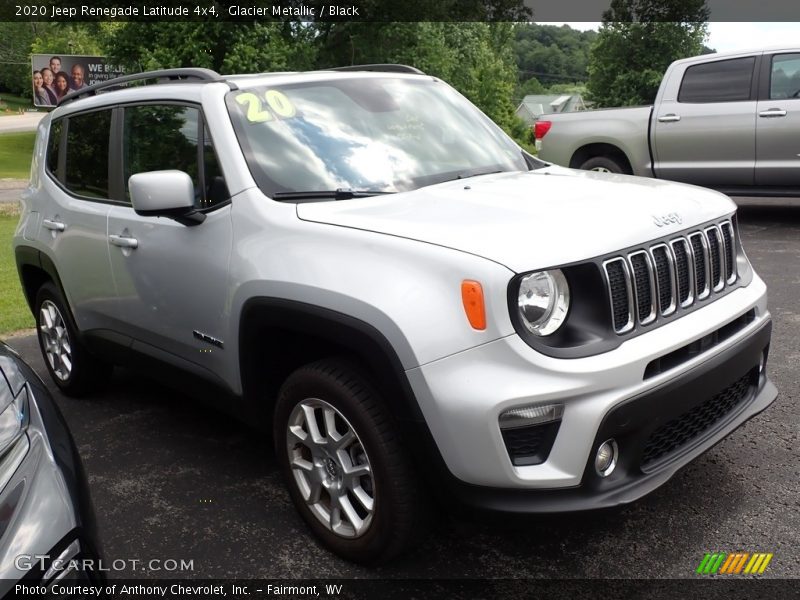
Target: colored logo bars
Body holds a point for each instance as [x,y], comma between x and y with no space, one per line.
[734,564]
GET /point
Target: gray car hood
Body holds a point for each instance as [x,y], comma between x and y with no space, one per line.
[531,220]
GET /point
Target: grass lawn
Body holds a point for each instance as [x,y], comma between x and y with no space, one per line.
[15,103]
[16,150]
[14,313]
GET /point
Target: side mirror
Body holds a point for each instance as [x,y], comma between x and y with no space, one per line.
[165,194]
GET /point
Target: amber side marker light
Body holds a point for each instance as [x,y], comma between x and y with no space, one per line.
[472,297]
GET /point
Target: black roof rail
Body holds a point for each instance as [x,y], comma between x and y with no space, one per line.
[170,75]
[386,68]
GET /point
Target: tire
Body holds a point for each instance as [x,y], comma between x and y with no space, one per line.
[603,164]
[341,516]
[73,369]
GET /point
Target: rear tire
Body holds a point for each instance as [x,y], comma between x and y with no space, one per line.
[71,366]
[603,164]
[347,473]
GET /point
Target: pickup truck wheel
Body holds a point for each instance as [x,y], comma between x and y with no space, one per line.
[347,474]
[73,369]
[603,164]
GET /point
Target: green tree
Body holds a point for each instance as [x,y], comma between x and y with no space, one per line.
[567,88]
[484,69]
[18,40]
[527,88]
[15,60]
[222,46]
[637,41]
[67,38]
[552,54]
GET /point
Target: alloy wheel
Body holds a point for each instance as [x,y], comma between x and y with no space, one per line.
[55,340]
[331,468]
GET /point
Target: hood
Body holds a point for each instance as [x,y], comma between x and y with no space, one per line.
[531,220]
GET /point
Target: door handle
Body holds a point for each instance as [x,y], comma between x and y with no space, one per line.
[123,242]
[670,118]
[53,225]
[772,112]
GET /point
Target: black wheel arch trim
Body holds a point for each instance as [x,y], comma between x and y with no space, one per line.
[367,343]
[359,337]
[27,256]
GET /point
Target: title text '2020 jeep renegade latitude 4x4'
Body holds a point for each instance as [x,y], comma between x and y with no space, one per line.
[364,262]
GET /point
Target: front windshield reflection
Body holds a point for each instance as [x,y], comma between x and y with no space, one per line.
[378,134]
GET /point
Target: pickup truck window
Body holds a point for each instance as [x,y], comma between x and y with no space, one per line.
[785,77]
[718,81]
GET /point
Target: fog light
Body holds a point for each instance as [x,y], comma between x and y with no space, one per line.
[606,458]
[531,415]
[530,431]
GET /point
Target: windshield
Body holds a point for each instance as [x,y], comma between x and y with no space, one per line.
[365,134]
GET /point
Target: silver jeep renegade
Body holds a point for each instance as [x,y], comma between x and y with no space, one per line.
[361,262]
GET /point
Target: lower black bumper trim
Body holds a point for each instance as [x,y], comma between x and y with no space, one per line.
[632,423]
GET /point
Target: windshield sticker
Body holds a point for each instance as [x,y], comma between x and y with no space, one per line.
[277,101]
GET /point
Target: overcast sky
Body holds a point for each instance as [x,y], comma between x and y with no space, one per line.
[735,36]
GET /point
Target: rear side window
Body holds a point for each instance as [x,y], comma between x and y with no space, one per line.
[785,77]
[720,81]
[159,137]
[53,145]
[86,165]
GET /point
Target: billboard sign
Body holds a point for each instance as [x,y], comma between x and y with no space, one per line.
[55,75]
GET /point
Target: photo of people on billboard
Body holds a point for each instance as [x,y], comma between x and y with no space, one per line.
[56,75]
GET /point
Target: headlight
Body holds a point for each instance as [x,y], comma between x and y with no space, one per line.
[13,418]
[543,301]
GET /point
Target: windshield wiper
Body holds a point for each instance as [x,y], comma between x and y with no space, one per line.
[340,194]
[477,173]
[534,163]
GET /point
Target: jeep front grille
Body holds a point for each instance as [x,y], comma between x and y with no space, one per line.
[657,280]
[681,253]
[621,294]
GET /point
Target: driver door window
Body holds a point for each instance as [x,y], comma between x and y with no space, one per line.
[785,77]
[159,137]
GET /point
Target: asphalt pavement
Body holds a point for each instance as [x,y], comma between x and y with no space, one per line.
[172,479]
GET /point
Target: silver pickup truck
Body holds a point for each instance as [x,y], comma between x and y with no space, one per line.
[728,121]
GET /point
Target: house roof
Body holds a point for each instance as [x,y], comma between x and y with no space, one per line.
[535,105]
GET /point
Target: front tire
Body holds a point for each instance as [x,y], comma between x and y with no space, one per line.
[73,369]
[347,473]
[603,164]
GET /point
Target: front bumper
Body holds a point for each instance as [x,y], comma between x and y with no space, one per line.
[604,396]
[649,430]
